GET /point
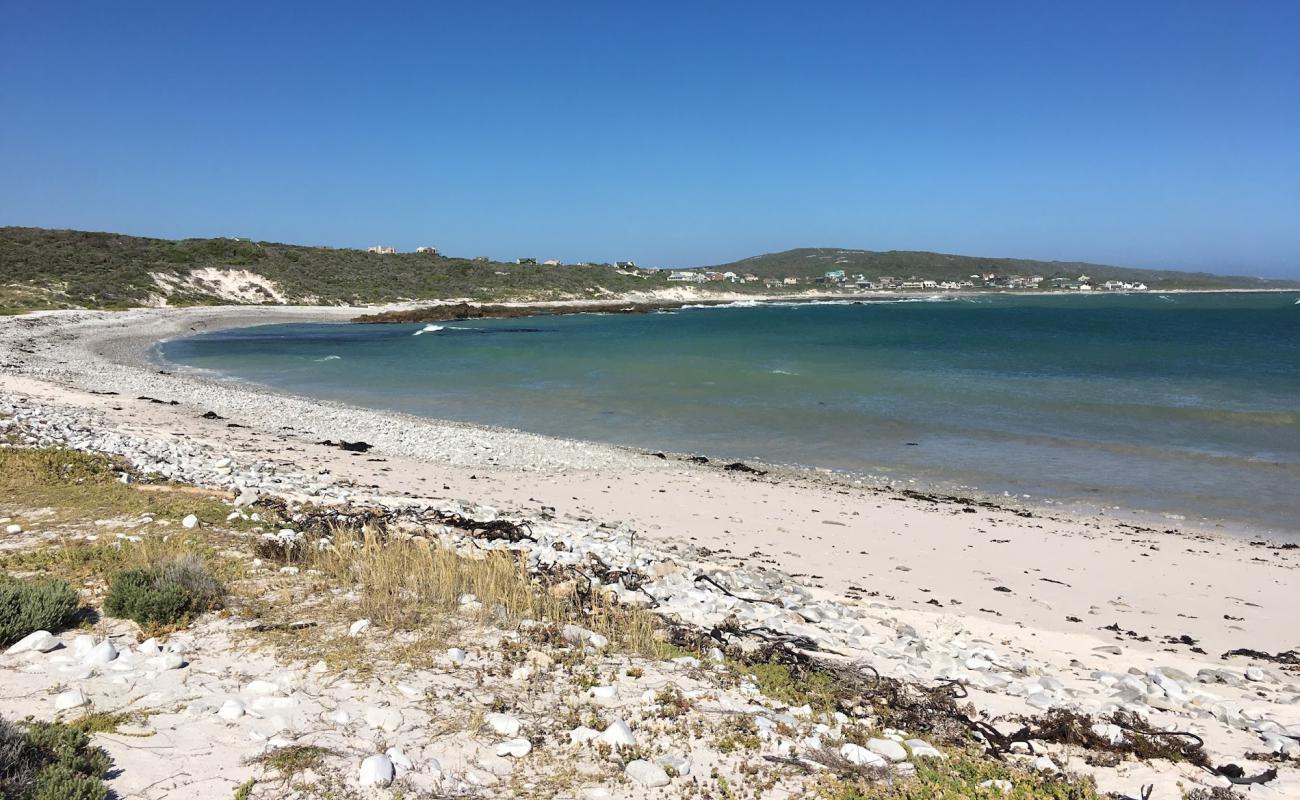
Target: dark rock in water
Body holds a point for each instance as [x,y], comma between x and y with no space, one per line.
[740,466]
[353,447]
[211,415]
[159,402]
[697,460]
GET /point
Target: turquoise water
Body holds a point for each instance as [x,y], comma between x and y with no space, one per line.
[1186,404]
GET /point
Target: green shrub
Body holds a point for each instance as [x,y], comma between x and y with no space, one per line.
[27,606]
[59,782]
[164,596]
[50,761]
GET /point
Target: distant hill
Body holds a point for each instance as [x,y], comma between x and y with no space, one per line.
[44,268]
[809,262]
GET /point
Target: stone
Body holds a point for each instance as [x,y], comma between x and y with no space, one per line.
[647,774]
[923,749]
[69,699]
[34,642]
[1045,764]
[582,734]
[860,756]
[679,764]
[399,759]
[456,656]
[503,724]
[190,521]
[517,748]
[618,734]
[1254,674]
[100,654]
[358,627]
[887,748]
[1000,784]
[376,770]
[231,710]
[13,529]
[384,718]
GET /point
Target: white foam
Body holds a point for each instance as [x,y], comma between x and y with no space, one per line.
[428,329]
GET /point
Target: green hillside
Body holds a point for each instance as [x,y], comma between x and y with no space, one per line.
[42,268]
[808,262]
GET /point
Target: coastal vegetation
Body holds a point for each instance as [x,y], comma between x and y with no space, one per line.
[47,269]
[50,761]
[34,605]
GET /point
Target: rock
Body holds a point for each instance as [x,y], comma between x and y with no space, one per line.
[923,749]
[678,764]
[1045,764]
[860,756]
[358,627]
[456,656]
[888,749]
[13,529]
[149,647]
[1001,785]
[376,770]
[231,710]
[602,692]
[100,654]
[399,759]
[34,642]
[384,718]
[647,774]
[69,699]
[518,748]
[190,521]
[618,734]
[340,717]
[574,634]
[582,734]
[1254,674]
[503,724]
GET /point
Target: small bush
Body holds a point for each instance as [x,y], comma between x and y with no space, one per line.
[50,761]
[27,606]
[164,596]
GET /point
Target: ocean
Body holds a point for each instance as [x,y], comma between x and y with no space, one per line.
[1178,405]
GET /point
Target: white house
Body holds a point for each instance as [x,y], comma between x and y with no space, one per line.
[379,248]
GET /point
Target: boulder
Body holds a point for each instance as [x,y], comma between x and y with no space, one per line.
[34,642]
[618,734]
[887,748]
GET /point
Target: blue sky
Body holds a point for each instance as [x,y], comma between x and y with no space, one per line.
[1148,134]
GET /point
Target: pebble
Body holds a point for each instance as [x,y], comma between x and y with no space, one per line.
[69,699]
[503,724]
[647,774]
[618,734]
[861,756]
[358,627]
[376,770]
[888,749]
[190,521]
[13,529]
[517,748]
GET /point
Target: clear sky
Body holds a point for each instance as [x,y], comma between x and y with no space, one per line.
[1137,133]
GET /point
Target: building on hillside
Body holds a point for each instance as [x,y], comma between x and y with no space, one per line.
[625,265]
[836,275]
[730,276]
[790,281]
[522,261]
[686,276]
[888,282]
[748,277]
[432,251]
[551,262]
[381,249]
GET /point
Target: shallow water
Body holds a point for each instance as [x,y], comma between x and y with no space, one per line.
[1183,403]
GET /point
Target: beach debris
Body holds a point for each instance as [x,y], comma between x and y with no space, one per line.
[210,415]
[740,466]
[352,447]
[156,401]
[1288,657]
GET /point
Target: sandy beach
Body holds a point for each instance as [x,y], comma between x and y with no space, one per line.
[1076,594]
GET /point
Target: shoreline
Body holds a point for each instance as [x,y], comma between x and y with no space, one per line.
[1062,595]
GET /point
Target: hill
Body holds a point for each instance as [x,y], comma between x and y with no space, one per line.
[43,268]
[809,262]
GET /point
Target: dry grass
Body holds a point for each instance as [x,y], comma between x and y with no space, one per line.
[413,584]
